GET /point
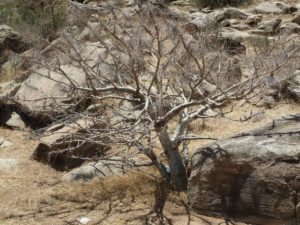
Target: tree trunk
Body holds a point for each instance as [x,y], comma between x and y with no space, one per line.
[178,173]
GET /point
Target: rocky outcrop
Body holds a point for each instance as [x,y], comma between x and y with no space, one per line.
[275,7]
[253,174]
[10,41]
[64,147]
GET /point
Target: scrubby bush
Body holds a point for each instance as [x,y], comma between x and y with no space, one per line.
[8,13]
[48,16]
[45,17]
[218,3]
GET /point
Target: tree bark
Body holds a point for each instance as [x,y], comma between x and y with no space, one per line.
[178,172]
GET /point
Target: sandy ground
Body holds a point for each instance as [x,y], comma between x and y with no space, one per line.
[33,193]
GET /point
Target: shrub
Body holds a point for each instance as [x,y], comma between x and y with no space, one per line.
[217,3]
[8,13]
[48,16]
[45,17]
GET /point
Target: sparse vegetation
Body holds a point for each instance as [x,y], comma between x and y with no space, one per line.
[133,100]
[44,17]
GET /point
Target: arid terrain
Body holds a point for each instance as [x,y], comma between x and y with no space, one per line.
[249,78]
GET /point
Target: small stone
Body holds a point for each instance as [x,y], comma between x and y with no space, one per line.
[7,163]
[258,117]
[269,101]
[15,121]
[242,102]
[4,143]
[296,77]
[253,20]
[197,23]
[83,220]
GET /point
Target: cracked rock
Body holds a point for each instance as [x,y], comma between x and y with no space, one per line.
[254,174]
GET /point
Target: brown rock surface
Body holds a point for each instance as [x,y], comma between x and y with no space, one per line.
[254,174]
[63,147]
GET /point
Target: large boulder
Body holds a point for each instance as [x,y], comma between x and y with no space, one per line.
[253,176]
[10,40]
[275,7]
[45,88]
[64,147]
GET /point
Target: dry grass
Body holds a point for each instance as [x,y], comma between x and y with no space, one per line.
[10,74]
[136,184]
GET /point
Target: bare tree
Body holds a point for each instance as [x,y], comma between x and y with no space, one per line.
[151,79]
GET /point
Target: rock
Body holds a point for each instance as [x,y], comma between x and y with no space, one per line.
[7,163]
[57,48]
[232,40]
[269,101]
[8,88]
[63,147]
[257,117]
[268,7]
[10,40]
[293,85]
[253,176]
[296,18]
[4,143]
[253,20]
[102,169]
[294,90]
[196,23]
[46,89]
[234,13]
[211,113]
[207,88]
[225,23]
[289,28]
[130,12]
[241,27]
[83,220]
[296,77]
[91,29]
[286,8]
[230,13]
[15,122]
[270,25]
[130,3]
[235,35]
